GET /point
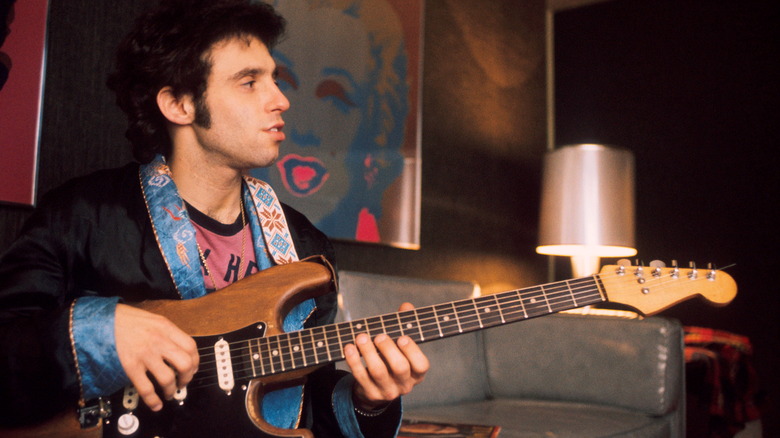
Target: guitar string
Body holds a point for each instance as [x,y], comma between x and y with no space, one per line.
[429,321]
[551,296]
[423,322]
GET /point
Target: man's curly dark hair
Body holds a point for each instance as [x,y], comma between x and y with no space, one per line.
[168,46]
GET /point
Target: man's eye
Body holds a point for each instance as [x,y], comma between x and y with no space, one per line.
[249,84]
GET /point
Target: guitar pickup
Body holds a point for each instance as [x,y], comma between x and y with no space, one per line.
[224,366]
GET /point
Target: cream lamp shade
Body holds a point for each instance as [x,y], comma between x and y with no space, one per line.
[587,209]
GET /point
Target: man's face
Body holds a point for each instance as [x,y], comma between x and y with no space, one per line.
[244,104]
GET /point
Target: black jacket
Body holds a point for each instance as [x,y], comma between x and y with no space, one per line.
[93,236]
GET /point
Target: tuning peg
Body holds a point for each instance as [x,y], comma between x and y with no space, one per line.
[639,273]
[622,265]
[711,272]
[694,274]
[675,269]
[657,265]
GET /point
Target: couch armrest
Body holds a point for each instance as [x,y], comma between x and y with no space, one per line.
[628,363]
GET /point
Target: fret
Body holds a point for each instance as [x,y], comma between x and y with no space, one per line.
[562,298]
[392,325]
[321,353]
[498,306]
[468,317]
[534,302]
[511,306]
[284,347]
[299,352]
[476,312]
[351,325]
[374,327]
[331,334]
[545,294]
[410,325]
[361,326]
[573,296]
[344,335]
[588,291]
[273,354]
[262,350]
[457,319]
[520,299]
[428,323]
[436,318]
[419,328]
[307,344]
[599,289]
[251,357]
[258,356]
[487,311]
[448,322]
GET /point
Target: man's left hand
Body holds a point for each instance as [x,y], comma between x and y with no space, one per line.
[391,368]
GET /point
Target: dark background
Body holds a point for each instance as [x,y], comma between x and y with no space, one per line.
[688,85]
[691,87]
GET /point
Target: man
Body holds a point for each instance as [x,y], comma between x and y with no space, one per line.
[197,82]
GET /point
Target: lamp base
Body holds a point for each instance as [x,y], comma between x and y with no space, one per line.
[584,265]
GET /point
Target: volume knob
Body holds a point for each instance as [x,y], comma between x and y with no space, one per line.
[127,424]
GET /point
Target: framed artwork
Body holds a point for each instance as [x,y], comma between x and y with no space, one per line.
[22,60]
[351,160]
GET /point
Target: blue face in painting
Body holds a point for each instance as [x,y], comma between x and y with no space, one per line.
[346,120]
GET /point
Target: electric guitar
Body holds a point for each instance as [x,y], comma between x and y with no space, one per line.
[245,354]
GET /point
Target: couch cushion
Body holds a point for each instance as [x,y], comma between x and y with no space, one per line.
[457,365]
[628,363]
[526,419]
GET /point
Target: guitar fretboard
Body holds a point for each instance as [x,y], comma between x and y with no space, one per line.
[286,352]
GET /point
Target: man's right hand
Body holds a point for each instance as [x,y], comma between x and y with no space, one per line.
[150,343]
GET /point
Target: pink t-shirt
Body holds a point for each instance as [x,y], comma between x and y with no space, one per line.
[222,248]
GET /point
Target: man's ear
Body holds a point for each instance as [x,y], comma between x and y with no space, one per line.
[178,110]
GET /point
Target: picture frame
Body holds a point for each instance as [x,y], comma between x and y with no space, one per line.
[23,60]
[351,160]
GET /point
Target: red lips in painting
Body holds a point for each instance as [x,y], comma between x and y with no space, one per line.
[302,176]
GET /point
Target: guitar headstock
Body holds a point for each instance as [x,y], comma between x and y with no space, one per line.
[651,289]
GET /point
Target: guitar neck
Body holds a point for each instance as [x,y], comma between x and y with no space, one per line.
[287,352]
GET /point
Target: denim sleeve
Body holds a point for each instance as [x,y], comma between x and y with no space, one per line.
[344,408]
[99,368]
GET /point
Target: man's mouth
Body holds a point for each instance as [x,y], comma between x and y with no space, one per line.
[276,130]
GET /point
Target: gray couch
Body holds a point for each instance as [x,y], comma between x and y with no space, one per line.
[557,376]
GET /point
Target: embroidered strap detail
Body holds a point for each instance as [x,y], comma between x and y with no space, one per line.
[172,228]
[272,221]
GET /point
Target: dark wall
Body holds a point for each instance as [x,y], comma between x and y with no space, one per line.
[482,141]
[691,87]
[82,129]
[482,144]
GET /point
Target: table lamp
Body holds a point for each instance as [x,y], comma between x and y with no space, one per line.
[587,209]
